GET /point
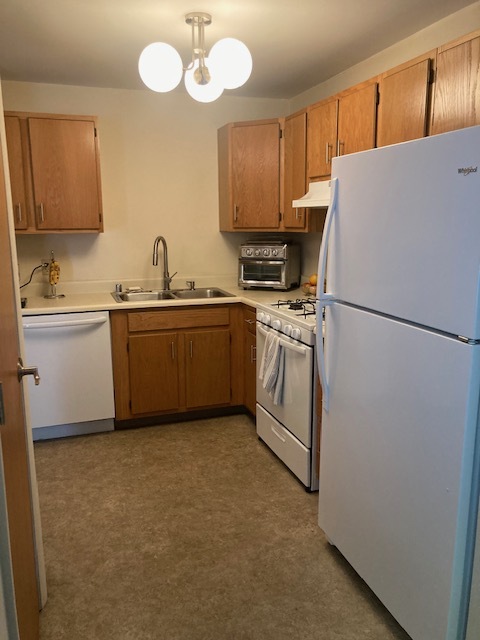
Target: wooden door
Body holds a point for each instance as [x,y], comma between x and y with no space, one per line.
[457,87]
[154,372]
[403,106]
[321,139]
[17,172]
[14,444]
[295,172]
[207,367]
[357,115]
[255,166]
[64,168]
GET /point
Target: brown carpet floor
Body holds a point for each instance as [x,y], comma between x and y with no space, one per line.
[191,531]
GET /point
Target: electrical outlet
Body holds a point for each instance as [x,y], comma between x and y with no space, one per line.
[45,265]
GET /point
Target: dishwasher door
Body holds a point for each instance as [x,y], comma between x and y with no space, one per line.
[73,354]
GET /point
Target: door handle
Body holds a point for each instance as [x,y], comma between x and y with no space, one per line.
[27,371]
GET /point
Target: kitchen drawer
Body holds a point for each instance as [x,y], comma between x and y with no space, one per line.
[290,450]
[178,318]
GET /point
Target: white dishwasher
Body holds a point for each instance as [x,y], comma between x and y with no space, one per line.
[74,358]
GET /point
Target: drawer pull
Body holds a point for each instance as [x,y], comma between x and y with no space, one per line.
[279,435]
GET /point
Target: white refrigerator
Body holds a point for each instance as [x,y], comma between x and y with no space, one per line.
[400,371]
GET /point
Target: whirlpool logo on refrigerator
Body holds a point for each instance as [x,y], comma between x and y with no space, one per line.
[467,170]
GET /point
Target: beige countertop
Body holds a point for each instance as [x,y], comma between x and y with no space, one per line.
[104,301]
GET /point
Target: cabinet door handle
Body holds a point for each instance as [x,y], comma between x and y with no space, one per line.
[42,214]
[340,145]
[328,155]
[18,209]
[249,321]
[191,348]
[235,213]
[253,353]
[173,350]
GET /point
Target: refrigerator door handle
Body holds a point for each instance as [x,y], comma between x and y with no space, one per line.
[325,299]
[322,259]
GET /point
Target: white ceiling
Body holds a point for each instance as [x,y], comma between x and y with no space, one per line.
[295,44]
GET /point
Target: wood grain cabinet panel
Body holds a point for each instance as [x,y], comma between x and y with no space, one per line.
[357,116]
[64,174]
[154,372]
[18,178]
[54,172]
[295,140]
[404,103]
[321,139]
[456,101]
[249,156]
[250,360]
[207,368]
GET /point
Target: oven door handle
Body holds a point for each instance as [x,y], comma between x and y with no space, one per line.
[288,345]
[251,261]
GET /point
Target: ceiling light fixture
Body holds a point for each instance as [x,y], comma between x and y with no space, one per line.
[228,65]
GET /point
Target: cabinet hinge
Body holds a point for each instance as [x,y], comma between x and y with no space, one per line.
[431,76]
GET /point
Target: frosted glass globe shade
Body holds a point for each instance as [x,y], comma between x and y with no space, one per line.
[231,60]
[203,92]
[160,67]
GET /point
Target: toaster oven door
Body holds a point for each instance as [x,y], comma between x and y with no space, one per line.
[262,273]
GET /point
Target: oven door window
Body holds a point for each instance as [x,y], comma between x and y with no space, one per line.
[262,271]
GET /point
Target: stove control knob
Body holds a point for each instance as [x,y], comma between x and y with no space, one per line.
[267,319]
[248,251]
[266,252]
[277,324]
[257,252]
[287,329]
[260,316]
[274,252]
[296,333]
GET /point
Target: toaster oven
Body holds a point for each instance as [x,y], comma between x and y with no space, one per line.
[274,264]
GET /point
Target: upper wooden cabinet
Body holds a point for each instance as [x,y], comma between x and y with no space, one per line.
[56,160]
[18,178]
[294,179]
[338,126]
[321,139]
[404,97]
[249,162]
[456,102]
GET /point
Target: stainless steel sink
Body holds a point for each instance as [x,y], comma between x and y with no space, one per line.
[176,294]
[142,296]
[195,294]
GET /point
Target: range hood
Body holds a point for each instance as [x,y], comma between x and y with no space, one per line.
[318,195]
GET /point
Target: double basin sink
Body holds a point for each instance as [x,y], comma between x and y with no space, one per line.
[175,294]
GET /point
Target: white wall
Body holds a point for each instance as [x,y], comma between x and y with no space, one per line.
[159,177]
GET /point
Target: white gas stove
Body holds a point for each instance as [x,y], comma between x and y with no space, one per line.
[286,416]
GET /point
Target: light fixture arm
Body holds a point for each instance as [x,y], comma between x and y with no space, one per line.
[198,21]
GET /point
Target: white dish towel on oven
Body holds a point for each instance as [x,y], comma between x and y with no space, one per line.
[272,368]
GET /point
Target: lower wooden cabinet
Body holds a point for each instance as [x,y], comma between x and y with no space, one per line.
[250,359]
[176,360]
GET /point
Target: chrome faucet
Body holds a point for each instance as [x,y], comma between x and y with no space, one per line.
[166,276]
